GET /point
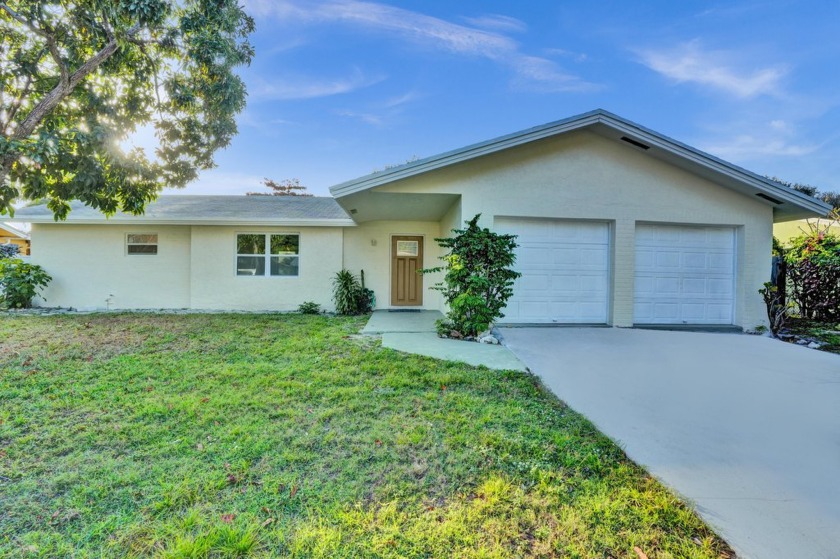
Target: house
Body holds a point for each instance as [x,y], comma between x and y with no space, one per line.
[617,225]
[10,235]
[787,230]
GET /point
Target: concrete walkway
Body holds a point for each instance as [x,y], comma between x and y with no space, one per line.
[414,332]
[746,427]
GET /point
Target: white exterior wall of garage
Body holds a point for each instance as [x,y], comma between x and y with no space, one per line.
[583,176]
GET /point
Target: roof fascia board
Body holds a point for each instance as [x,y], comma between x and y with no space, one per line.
[232,221]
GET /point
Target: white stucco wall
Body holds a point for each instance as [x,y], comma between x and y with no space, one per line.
[584,176]
[194,268]
[215,285]
[368,247]
[91,270]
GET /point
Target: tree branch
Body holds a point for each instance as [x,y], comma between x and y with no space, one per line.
[49,37]
[60,91]
[15,105]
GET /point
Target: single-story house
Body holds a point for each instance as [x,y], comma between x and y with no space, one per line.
[617,225]
[10,235]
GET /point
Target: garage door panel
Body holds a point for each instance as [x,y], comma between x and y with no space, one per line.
[565,270]
[684,275]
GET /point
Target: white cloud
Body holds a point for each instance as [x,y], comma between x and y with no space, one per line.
[301,87]
[691,63]
[498,22]
[431,32]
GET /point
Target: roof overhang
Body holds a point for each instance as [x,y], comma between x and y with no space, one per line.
[371,205]
[14,231]
[788,204]
[229,222]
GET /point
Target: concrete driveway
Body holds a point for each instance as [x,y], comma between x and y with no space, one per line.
[745,427]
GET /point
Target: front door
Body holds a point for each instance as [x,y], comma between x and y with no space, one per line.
[406,279]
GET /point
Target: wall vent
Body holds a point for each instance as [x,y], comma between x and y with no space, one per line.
[636,143]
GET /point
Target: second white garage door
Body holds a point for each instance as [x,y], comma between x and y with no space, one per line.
[565,271]
[684,275]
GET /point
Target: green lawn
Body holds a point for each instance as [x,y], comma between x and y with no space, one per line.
[286,435]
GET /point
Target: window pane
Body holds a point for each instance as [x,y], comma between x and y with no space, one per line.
[142,239]
[284,244]
[408,248]
[250,244]
[142,249]
[284,265]
[250,266]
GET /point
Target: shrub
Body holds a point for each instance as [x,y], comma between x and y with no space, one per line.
[349,295]
[479,277]
[8,251]
[813,276]
[777,311]
[20,282]
[309,307]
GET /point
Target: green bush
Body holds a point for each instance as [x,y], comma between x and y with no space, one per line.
[20,282]
[309,307]
[8,251]
[479,277]
[813,276]
[349,295]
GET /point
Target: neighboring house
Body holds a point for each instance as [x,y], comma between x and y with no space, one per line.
[617,225]
[790,229]
[10,235]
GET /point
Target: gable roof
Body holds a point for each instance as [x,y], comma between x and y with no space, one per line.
[787,203]
[209,210]
[14,231]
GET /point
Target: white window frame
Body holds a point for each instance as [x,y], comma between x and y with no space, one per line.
[128,243]
[267,256]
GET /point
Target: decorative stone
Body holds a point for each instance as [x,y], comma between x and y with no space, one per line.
[455,334]
[489,340]
[815,345]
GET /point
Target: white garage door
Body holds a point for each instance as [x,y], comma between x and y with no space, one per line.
[565,271]
[684,275]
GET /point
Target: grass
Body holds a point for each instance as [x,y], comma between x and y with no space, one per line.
[826,334]
[290,436]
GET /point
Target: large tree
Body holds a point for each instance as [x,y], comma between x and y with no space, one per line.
[77,78]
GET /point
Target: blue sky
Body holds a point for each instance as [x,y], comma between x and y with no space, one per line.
[340,88]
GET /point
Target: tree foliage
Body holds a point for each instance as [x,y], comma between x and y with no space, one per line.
[286,187]
[832,198]
[478,278]
[78,78]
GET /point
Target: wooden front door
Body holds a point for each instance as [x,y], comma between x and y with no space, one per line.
[406,280]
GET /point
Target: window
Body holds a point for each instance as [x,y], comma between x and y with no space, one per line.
[260,254]
[408,248]
[141,243]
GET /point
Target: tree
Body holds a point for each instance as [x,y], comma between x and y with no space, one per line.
[286,187]
[77,78]
[478,278]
